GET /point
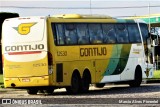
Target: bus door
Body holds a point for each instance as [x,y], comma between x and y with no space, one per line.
[155,49]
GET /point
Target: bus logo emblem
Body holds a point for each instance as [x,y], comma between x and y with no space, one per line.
[24,28]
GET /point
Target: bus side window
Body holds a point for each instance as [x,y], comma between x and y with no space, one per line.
[95,33]
[134,35]
[122,33]
[82,32]
[71,34]
[59,34]
[109,33]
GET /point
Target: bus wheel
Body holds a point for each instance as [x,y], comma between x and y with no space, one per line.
[32,91]
[137,78]
[100,85]
[75,84]
[49,91]
[86,80]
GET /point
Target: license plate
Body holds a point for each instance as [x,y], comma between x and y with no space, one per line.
[25,80]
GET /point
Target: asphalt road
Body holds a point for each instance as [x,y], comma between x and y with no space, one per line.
[145,95]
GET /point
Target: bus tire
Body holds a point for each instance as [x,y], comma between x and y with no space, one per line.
[85,82]
[100,85]
[137,78]
[75,84]
[32,91]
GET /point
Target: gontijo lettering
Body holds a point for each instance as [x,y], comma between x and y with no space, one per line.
[24,47]
[93,51]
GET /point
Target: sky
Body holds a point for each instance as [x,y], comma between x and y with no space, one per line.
[115,8]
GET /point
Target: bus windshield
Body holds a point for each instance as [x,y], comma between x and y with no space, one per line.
[22,30]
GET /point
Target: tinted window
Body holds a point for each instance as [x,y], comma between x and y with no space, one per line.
[70,34]
[60,38]
[82,32]
[109,34]
[86,33]
[134,35]
[122,34]
[95,33]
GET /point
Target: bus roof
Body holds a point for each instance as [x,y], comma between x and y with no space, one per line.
[94,18]
[80,16]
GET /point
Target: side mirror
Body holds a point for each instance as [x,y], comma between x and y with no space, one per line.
[153,36]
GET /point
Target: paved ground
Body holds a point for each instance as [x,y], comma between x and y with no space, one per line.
[110,94]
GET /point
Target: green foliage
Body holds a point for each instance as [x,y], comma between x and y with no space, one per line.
[156,74]
[1,80]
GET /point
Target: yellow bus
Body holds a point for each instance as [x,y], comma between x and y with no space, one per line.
[73,51]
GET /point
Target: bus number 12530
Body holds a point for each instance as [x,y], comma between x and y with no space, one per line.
[61,53]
